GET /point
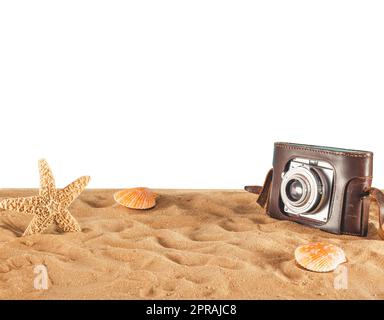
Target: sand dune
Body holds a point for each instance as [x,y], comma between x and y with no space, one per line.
[194,244]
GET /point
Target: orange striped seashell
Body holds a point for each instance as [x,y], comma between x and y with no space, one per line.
[319,256]
[136,198]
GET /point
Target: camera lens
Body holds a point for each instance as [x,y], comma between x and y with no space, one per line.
[294,190]
[302,189]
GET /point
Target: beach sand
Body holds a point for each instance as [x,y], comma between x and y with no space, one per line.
[192,245]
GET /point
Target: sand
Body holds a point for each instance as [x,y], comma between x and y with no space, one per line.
[193,245]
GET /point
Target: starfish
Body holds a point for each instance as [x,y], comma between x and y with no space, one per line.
[51,205]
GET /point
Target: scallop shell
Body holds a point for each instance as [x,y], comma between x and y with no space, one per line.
[136,198]
[319,256]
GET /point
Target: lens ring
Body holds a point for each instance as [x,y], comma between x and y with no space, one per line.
[313,186]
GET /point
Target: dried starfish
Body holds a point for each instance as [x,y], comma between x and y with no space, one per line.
[51,205]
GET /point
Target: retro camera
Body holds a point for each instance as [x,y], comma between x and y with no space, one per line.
[322,187]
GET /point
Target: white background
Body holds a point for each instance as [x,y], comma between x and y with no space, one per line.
[184,94]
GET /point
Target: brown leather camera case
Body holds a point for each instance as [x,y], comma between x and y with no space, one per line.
[349,207]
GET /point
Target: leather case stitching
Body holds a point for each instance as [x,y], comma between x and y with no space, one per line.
[343,154]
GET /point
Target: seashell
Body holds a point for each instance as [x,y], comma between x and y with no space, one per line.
[136,198]
[319,256]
